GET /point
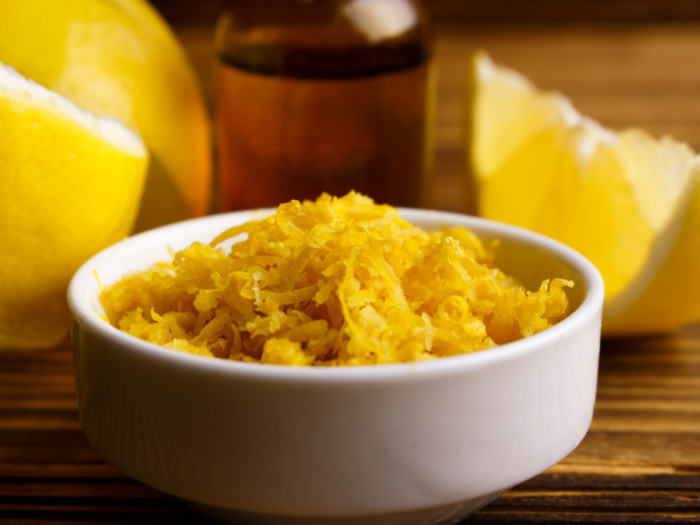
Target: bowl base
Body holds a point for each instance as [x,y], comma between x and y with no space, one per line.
[443,515]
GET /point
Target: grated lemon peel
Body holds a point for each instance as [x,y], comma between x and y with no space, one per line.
[336,281]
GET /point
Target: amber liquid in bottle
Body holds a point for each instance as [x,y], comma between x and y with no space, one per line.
[311,106]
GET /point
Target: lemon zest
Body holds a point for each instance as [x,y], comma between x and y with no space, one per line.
[337,281]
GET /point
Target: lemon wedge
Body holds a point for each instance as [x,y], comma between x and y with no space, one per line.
[71,185]
[627,201]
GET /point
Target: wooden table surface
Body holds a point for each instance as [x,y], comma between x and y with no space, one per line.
[629,64]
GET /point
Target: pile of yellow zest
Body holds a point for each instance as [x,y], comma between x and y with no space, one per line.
[338,281]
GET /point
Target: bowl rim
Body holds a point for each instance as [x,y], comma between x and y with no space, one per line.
[590,306]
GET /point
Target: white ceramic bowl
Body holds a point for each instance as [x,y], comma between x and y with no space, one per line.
[426,442]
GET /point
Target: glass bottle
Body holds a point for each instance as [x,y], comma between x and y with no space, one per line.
[323,95]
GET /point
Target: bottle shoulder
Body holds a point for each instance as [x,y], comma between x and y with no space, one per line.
[325,39]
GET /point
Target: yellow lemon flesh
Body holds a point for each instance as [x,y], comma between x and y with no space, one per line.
[71,184]
[119,58]
[627,201]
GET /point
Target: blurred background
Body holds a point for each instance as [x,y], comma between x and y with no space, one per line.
[625,63]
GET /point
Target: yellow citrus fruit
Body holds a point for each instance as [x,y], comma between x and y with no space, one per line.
[119,58]
[627,201]
[71,184]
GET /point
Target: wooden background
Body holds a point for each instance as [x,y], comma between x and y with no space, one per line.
[624,63]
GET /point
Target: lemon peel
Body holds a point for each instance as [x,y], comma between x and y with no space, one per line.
[14,86]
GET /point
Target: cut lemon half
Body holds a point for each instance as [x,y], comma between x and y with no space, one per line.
[627,201]
[71,185]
